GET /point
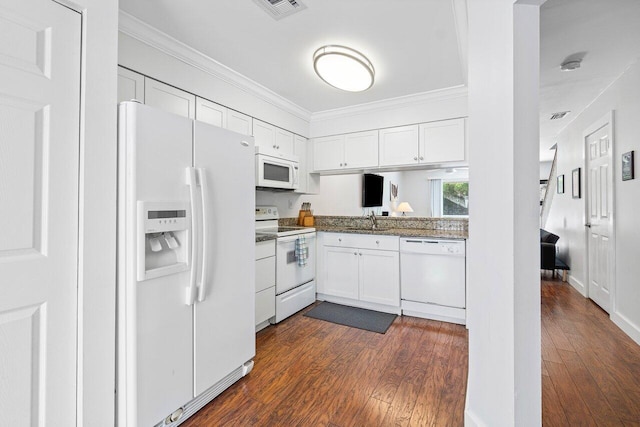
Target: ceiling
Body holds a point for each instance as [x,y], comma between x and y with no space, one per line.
[413,44]
[605,32]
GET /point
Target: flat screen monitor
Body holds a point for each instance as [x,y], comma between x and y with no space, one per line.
[372,190]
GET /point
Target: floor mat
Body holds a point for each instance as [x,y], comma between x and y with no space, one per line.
[360,318]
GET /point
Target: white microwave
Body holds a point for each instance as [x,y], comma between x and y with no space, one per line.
[276,173]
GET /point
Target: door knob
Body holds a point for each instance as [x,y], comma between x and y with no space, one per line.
[587,225]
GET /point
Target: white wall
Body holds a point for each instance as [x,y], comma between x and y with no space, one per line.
[150,61]
[567,215]
[503,285]
[340,195]
[96,288]
[545,169]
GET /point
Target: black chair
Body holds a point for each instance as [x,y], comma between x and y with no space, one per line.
[548,258]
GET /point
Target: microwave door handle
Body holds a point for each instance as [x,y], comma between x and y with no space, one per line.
[193,255]
[204,194]
[296,175]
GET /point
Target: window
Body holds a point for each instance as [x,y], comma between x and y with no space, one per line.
[455,198]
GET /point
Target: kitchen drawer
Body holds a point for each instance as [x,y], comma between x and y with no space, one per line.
[265,249]
[265,273]
[265,304]
[363,241]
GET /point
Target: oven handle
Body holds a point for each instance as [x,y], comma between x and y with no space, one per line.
[289,239]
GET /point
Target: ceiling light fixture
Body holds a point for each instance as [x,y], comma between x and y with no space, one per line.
[343,68]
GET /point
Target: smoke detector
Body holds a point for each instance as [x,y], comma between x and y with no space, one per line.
[278,9]
[570,65]
[559,115]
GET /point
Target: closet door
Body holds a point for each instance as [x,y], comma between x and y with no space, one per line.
[39,146]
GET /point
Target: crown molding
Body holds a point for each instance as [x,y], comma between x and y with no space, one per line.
[392,103]
[145,33]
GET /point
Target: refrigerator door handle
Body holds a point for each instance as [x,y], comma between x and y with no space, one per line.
[192,183]
[204,265]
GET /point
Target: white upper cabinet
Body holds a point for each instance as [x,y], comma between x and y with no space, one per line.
[272,138]
[239,122]
[210,112]
[130,85]
[443,141]
[168,98]
[264,134]
[284,141]
[399,146]
[351,151]
[328,153]
[361,149]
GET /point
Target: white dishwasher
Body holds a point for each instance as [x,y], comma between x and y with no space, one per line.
[433,279]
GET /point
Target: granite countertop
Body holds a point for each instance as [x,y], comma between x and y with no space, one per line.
[402,232]
[264,237]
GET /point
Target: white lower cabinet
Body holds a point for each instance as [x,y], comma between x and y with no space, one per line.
[360,270]
[265,283]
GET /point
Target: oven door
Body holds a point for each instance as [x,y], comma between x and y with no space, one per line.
[273,172]
[288,273]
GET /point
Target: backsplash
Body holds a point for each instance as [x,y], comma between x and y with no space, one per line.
[457,224]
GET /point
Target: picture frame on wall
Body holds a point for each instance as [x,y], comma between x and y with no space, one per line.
[575,183]
[627,166]
[560,184]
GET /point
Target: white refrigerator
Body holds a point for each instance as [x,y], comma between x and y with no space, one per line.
[186,245]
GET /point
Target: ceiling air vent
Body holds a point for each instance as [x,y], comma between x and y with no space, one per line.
[558,116]
[278,9]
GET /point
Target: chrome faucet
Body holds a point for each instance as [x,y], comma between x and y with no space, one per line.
[374,221]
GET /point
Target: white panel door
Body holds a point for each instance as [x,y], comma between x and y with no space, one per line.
[130,85]
[399,146]
[341,272]
[328,153]
[225,312]
[442,141]
[210,112]
[239,122]
[39,151]
[379,277]
[168,98]
[361,150]
[599,185]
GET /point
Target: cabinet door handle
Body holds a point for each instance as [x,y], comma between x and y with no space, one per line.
[274,145]
[339,240]
[360,254]
[340,164]
[415,158]
[355,253]
[278,147]
[421,158]
[377,242]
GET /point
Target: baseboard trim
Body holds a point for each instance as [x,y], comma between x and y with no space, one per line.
[627,326]
[578,285]
[472,420]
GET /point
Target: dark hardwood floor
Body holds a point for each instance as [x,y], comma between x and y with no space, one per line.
[312,373]
[590,368]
